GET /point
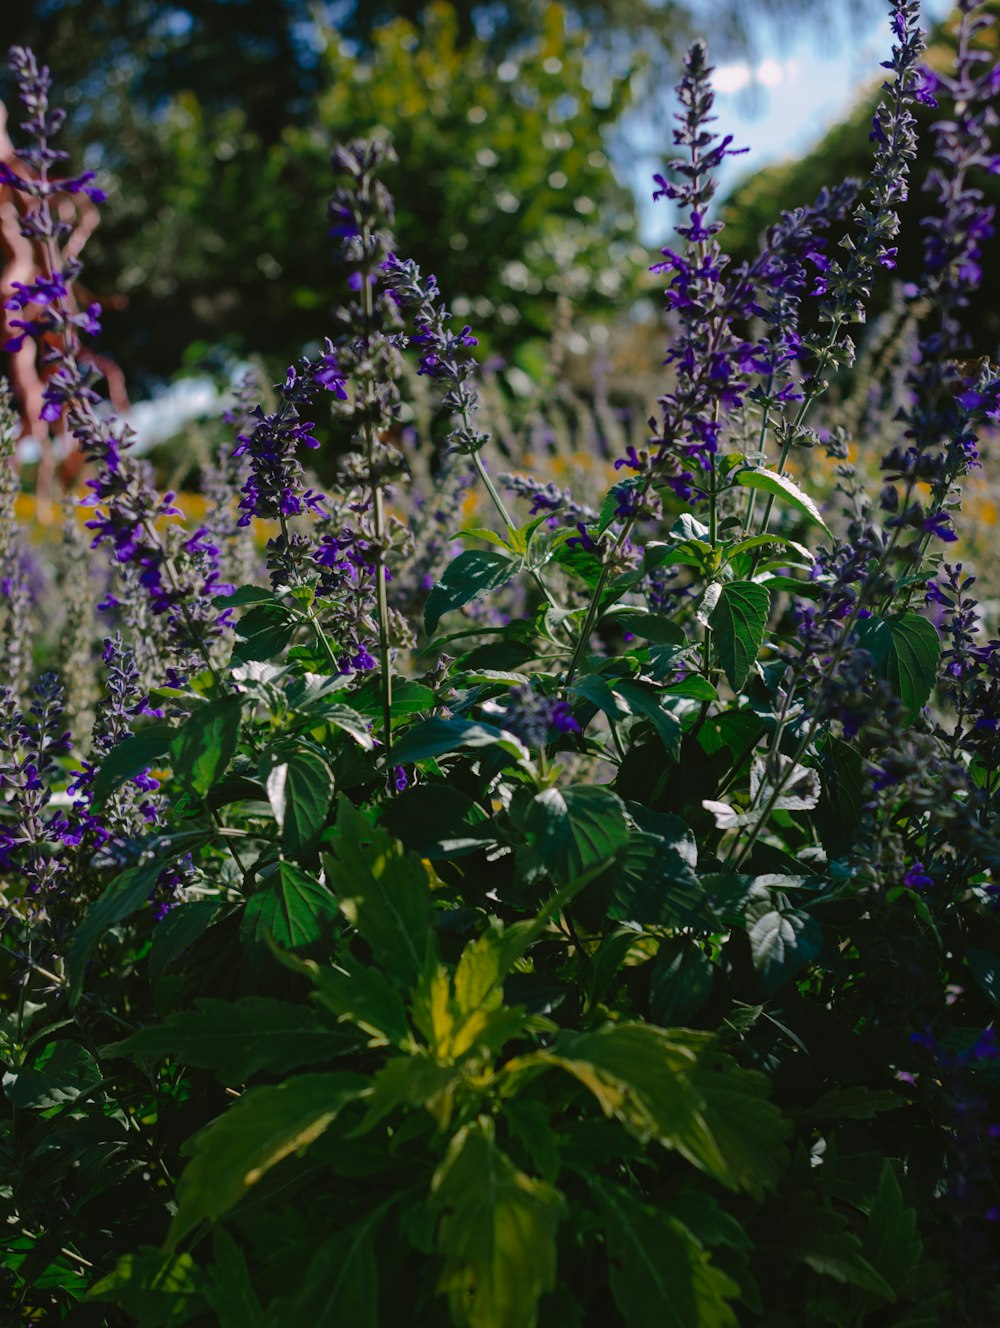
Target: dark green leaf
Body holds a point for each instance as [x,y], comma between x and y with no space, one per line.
[264,632]
[472,574]
[905,648]
[660,1275]
[230,1290]
[985,969]
[653,627]
[176,932]
[300,788]
[292,908]
[681,982]
[782,941]
[130,758]
[63,1071]
[575,829]
[383,892]
[438,821]
[261,1128]
[437,737]
[206,743]
[340,1284]
[738,622]
[641,699]
[235,1039]
[496,1234]
[125,895]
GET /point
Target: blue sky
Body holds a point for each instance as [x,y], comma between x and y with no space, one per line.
[783,100]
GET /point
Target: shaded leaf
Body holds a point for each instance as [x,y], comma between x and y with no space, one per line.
[131,757]
[261,1128]
[236,1038]
[905,648]
[206,743]
[574,829]
[785,490]
[660,1275]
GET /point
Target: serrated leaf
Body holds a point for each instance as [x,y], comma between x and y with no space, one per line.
[782,941]
[906,649]
[660,1275]
[300,799]
[359,994]
[738,623]
[469,577]
[292,908]
[206,743]
[236,1039]
[383,892]
[261,1128]
[785,490]
[655,627]
[673,1085]
[891,1242]
[496,1234]
[575,829]
[263,632]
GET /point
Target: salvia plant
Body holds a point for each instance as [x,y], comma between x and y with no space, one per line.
[571,914]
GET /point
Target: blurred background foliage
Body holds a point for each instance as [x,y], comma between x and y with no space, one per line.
[212,121]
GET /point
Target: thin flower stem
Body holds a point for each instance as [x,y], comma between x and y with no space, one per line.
[378,513]
[505,516]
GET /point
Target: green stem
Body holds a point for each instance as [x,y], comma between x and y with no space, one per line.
[378,513]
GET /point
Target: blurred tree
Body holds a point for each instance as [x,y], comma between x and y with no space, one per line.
[213,120]
[844,151]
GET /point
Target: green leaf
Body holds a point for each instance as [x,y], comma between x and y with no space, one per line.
[343,717]
[655,627]
[416,1081]
[658,887]
[408,698]
[472,575]
[62,1072]
[383,892]
[261,1128]
[242,596]
[293,908]
[437,737]
[230,1291]
[130,758]
[359,994]
[681,981]
[891,1242]
[340,1284]
[644,700]
[176,932]
[496,1234]
[660,1275]
[985,968]
[837,1254]
[237,1038]
[438,821]
[154,1287]
[673,1085]
[575,829]
[264,632]
[738,622]
[782,941]
[785,490]
[206,743]
[905,648]
[300,789]
[125,895]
